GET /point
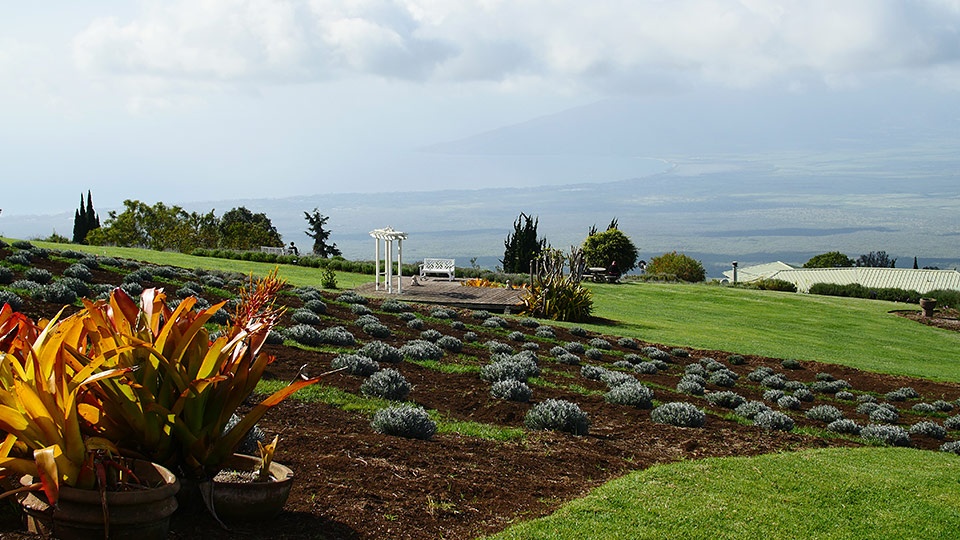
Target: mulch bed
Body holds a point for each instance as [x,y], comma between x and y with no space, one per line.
[354,483]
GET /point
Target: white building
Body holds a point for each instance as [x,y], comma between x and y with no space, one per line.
[922,281]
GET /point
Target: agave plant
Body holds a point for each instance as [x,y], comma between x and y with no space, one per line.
[45,378]
[181,387]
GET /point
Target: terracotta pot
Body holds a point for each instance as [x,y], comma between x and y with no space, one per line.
[143,514]
[247,501]
[928,305]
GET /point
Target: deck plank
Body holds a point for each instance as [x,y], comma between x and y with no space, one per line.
[450,293]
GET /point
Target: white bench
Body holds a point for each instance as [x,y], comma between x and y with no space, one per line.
[276,250]
[443,267]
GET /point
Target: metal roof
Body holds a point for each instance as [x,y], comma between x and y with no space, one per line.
[922,281]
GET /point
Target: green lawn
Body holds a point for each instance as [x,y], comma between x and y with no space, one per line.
[848,331]
[864,493]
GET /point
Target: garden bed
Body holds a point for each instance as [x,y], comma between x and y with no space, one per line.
[352,482]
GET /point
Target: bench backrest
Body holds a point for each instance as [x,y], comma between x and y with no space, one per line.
[439,264]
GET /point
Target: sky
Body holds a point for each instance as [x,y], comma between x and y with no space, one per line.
[194,100]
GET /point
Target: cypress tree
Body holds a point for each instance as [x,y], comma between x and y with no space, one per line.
[93,220]
[522,246]
[80,222]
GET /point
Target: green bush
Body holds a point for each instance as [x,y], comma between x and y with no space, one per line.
[790,363]
[945,298]
[855,290]
[564,300]
[452,344]
[78,271]
[929,429]
[328,279]
[512,368]
[788,402]
[824,413]
[885,434]
[736,359]
[773,420]
[6,275]
[845,426]
[774,285]
[305,316]
[419,349]
[902,394]
[679,265]
[404,421]
[680,414]
[377,330]
[610,246]
[726,399]
[751,409]
[387,384]
[38,275]
[12,298]
[337,335]
[58,293]
[558,415]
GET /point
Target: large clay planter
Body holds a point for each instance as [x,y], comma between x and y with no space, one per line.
[928,305]
[141,514]
[232,502]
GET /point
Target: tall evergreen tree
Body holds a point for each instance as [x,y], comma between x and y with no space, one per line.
[522,246]
[93,220]
[85,219]
[316,220]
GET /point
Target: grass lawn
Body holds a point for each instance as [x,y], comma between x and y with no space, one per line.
[848,331]
[880,493]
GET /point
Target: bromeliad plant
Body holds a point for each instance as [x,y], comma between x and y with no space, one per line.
[182,384]
[554,295]
[45,379]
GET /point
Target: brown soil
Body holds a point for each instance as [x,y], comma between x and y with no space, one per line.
[352,482]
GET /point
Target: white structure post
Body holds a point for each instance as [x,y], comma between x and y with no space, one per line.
[377,263]
[387,235]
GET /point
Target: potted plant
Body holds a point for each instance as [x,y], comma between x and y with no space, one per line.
[181,385]
[81,483]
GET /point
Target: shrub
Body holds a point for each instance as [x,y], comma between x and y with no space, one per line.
[575,347]
[600,343]
[824,413]
[516,336]
[450,343]
[557,351]
[430,335]
[419,349]
[305,316]
[529,322]
[6,275]
[305,335]
[884,415]
[654,353]
[627,343]
[680,414]
[356,364]
[952,447]
[316,306]
[12,298]
[495,322]
[364,320]
[722,379]
[736,359]
[902,394]
[773,395]
[394,306]
[377,330]
[415,324]
[38,275]
[443,313]
[497,347]
[695,369]
[929,429]
[760,374]
[924,408]
[829,387]
[337,335]
[825,377]
[679,353]
[511,390]
[844,425]
[58,293]
[18,258]
[943,406]
[751,409]
[622,364]
[569,359]
[726,399]
[633,358]
[773,420]
[615,378]
[775,381]
[793,385]
[404,421]
[788,402]
[22,244]
[530,346]
[768,284]
[678,266]
[382,352]
[593,354]
[78,271]
[688,386]
[558,415]
[952,422]
[360,309]
[803,394]
[885,434]
[134,289]
[481,314]
[457,325]
[844,395]
[138,276]
[518,368]
[387,384]
[351,297]
[77,286]
[646,368]
[545,332]
[274,337]
[592,372]
[578,331]
[470,337]
[790,363]
[631,394]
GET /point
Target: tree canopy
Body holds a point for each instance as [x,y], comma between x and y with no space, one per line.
[876,259]
[522,245]
[601,249]
[316,222]
[685,268]
[242,229]
[832,259]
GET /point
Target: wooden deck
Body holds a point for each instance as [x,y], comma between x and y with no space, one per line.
[450,293]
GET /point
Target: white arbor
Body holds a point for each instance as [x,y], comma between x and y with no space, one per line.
[387,236]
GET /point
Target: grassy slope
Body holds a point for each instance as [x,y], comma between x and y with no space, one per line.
[835,493]
[852,332]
